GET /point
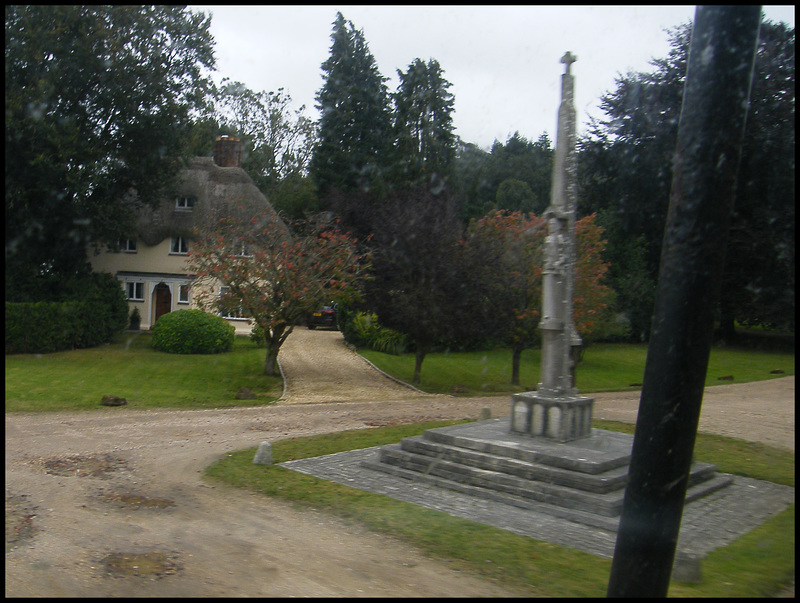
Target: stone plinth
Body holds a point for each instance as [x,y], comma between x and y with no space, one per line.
[559,418]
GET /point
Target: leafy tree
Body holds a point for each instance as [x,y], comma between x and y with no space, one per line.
[511,243]
[626,172]
[626,160]
[634,285]
[593,300]
[758,279]
[515,195]
[417,285]
[423,122]
[98,100]
[470,184]
[512,176]
[270,275]
[518,174]
[278,141]
[294,196]
[355,122]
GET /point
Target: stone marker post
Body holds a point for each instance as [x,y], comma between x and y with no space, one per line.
[263,454]
[555,410]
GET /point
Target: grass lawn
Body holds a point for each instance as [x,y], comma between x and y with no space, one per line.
[759,563]
[605,367]
[132,369]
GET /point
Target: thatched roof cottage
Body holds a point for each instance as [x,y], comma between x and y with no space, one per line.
[151,263]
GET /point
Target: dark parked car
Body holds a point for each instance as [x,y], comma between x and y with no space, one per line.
[324,317]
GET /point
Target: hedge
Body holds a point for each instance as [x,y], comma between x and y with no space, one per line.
[48,326]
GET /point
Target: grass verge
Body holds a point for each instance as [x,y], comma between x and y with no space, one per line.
[605,367]
[759,563]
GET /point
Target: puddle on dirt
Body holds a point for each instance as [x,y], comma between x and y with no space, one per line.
[153,565]
[19,521]
[84,466]
[137,501]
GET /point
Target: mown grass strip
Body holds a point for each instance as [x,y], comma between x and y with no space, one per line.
[605,367]
[522,564]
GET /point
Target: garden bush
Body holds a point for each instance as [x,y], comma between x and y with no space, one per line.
[364,330]
[106,310]
[257,335]
[192,332]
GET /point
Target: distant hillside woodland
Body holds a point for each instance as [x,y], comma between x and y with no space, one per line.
[106,101]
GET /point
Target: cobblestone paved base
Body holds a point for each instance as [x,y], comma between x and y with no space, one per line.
[708,524]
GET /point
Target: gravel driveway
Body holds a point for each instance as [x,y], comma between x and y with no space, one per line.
[111,502]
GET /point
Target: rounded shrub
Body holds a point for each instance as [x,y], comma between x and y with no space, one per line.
[192,332]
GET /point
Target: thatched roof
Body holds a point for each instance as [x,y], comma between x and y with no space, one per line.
[217,192]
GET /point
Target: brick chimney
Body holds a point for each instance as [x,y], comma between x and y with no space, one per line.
[228,151]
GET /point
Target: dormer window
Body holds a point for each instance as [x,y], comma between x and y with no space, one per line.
[179,245]
[127,245]
[185,203]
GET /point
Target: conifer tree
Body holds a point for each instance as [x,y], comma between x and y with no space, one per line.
[355,122]
[425,142]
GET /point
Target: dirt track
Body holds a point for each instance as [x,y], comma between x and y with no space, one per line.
[85,486]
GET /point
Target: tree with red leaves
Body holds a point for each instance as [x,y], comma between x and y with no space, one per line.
[255,266]
[507,247]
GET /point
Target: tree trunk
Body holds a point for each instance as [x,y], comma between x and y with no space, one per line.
[418,358]
[273,340]
[727,330]
[516,357]
[271,367]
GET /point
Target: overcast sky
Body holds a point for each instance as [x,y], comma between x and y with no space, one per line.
[502,61]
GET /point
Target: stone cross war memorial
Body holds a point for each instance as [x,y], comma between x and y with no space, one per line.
[555,410]
[546,454]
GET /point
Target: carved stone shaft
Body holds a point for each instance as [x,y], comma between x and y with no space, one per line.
[554,410]
[558,330]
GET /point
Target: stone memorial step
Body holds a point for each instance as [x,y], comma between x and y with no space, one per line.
[582,480]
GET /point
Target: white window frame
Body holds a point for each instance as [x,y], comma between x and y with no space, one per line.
[185,203]
[127,245]
[179,246]
[132,288]
[183,293]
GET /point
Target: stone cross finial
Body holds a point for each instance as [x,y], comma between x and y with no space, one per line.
[568,59]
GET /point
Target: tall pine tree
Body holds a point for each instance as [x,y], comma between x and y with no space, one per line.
[423,121]
[355,122]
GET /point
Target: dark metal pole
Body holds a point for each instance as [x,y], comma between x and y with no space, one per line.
[706,162]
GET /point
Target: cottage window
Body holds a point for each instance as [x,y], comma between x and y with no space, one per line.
[186,203]
[183,294]
[230,309]
[127,245]
[134,291]
[179,245]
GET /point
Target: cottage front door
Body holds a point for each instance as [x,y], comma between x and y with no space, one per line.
[163,300]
